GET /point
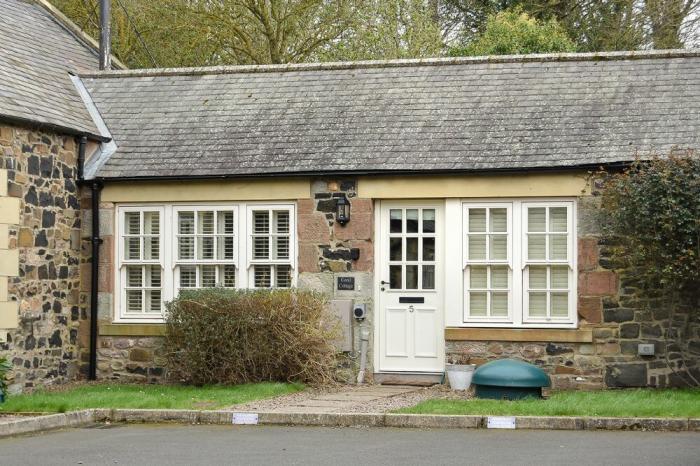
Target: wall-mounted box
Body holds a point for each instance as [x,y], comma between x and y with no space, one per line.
[645,349]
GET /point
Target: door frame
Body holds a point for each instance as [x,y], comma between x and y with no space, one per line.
[379,204]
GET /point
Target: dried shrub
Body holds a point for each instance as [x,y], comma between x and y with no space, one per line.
[236,336]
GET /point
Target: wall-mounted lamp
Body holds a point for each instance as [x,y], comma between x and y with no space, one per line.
[342,210]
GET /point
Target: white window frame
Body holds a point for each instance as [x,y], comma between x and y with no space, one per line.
[122,263]
[488,263]
[517,249]
[177,263]
[251,262]
[168,249]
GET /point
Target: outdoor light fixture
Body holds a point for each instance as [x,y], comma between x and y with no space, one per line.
[342,210]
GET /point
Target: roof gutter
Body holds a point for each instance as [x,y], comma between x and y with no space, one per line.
[610,166]
[45,126]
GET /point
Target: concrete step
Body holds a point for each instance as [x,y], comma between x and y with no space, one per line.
[414,379]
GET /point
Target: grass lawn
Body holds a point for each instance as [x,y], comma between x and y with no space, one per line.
[612,403]
[143,396]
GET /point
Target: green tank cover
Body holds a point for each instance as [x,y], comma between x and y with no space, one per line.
[510,373]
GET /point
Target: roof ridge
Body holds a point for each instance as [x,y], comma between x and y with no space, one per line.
[67,24]
[548,57]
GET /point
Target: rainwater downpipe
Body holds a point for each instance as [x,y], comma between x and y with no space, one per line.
[95,240]
[95,188]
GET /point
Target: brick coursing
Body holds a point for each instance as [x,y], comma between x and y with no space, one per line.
[41,168]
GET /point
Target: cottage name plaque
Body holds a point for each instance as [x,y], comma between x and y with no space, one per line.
[346,283]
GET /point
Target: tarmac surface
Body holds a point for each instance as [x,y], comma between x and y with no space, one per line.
[212,445]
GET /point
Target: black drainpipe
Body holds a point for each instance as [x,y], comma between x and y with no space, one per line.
[95,239]
[95,187]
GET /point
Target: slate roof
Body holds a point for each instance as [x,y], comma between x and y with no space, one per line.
[493,113]
[36,55]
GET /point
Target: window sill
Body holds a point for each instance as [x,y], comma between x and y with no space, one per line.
[513,334]
[132,330]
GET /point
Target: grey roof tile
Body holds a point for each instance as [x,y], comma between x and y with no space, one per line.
[36,56]
[470,114]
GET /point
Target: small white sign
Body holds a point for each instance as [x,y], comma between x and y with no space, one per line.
[500,422]
[245,418]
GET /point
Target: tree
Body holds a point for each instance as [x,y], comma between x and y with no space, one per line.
[386,29]
[650,215]
[515,32]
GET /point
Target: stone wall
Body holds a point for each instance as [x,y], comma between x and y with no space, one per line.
[608,305]
[325,249]
[42,180]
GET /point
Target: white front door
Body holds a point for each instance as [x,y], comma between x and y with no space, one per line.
[409,276]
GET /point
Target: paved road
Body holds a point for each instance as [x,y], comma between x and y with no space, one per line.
[204,445]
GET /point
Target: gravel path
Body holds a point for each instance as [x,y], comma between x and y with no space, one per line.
[380,405]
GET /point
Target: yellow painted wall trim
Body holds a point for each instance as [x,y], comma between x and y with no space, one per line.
[9,262]
[9,317]
[512,334]
[9,210]
[4,236]
[3,182]
[211,190]
[476,186]
[132,330]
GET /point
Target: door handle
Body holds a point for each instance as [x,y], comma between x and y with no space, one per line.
[383,283]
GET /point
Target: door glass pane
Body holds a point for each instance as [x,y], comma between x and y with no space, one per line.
[557,219]
[395,277]
[498,247]
[428,220]
[395,249]
[477,277]
[537,277]
[538,304]
[499,277]
[411,249]
[411,220]
[477,304]
[559,277]
[477,220]
[411,277]
[428,277]
[477,247]
[559,304]
[536,245]
[536,219]
[557,247]
[395,221]
[428,249]
[498,221]
[499,304]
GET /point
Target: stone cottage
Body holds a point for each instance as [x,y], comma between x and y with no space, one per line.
[451,198]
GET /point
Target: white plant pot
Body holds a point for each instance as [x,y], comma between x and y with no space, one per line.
[460,375]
